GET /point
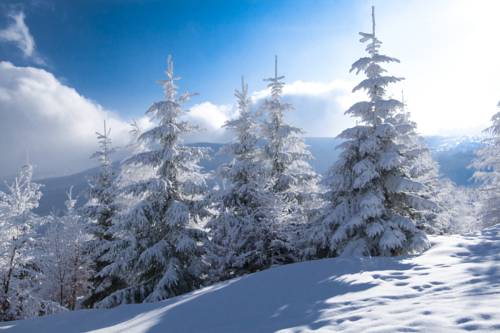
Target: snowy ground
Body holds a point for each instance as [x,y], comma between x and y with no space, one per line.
[454,287]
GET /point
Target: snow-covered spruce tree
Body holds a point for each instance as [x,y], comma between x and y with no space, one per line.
[372,200]
[121,247]
[101,208]
[487,165]
[290,177]
[241,233]
[18,272]
[160,242]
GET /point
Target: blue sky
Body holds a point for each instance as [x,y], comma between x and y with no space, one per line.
[114,51]
[67,65]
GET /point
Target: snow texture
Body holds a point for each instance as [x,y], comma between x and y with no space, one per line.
[452,287]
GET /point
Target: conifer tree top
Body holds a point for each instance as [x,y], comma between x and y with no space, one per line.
[276,83]
[104,140]
[375,82]
[242,96]
[169,84]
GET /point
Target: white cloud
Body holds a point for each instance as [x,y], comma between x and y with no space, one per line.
[56,126]
[17,32]
[210,119]
[318,106]
[51,122]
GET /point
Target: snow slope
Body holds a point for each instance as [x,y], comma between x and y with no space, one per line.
[453,287]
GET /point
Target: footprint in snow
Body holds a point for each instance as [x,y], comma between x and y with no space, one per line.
[463,320]
[485,316]
[436,283]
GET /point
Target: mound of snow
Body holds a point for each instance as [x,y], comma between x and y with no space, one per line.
[455,286]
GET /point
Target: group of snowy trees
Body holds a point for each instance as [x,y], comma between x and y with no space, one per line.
[22,268]
[155,229]
[487,164]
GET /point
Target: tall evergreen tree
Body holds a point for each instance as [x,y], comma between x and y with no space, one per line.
[372,200]
[487,165]
[241,233]
[291,178]
[101,209]
[159,252]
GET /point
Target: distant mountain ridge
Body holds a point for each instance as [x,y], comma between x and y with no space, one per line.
[454,155]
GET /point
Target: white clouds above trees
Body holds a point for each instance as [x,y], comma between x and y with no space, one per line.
[318,106]
[48,120]
[55,125]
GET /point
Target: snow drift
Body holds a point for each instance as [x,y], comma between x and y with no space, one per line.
[453,287]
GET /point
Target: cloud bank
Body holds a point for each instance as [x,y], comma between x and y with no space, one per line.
[50,122]
[55,126]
